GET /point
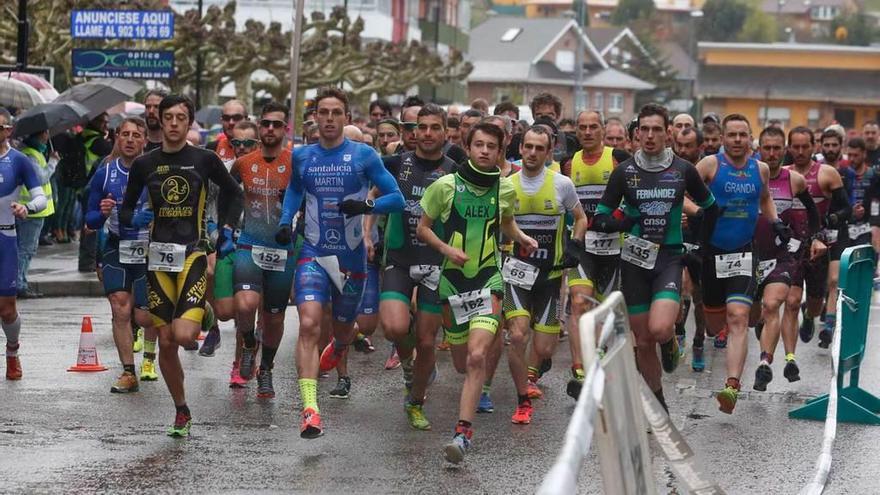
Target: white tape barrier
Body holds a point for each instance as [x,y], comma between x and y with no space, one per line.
[823,463]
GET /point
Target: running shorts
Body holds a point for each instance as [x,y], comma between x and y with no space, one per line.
[397,284]
[598,272]
[118,277]
[313,284]
[641,286]
[370,301]
[458,334]
[540,304]
[224,277]
[273,286]
[179,295]
[718,292]
[8,263]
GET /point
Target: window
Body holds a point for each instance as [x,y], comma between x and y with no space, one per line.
[510,34]
[813,118]
[565,60]
[824,12]
[615,103]
[599,101]
[766,114]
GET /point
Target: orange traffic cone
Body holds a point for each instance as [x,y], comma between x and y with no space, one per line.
[87,356]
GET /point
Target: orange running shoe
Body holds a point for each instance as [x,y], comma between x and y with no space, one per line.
[311,424]
[13,368]
[523,414]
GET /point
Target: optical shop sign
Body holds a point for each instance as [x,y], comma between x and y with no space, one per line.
[127,64]
[122,24]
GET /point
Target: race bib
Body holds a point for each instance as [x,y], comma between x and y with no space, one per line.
[269,259]
[875,208]
[469,304]
[427,275]
[830,235]
[858,230]
[166,257]
[794,245]
[519,273]
[133,252]
[602,244]
[733,265]
[640,252]
[765,268]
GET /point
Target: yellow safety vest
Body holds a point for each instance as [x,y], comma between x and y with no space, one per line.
[25,195]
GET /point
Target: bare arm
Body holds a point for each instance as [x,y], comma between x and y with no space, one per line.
[579,230]
[706,167]
[768,207]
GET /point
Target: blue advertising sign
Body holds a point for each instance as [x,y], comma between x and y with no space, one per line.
[122,24]
[126,64]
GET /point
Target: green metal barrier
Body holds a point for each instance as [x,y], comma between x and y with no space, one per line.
[856,284]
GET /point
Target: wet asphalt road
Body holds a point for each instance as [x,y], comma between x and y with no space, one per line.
[64,432]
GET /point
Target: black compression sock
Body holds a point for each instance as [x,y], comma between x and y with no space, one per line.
[183,409]
[268,358]
[128,367]
[250,339]
[523,398]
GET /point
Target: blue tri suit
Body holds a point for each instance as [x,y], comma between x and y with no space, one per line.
[16,170]
[324,178]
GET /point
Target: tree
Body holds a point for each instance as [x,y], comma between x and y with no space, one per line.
[652,67]
[759,27]
[853,29]
[722,20]
[628,11]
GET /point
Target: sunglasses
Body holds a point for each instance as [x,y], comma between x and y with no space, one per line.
[276,124]
[247,143]
[410,126]
[236,117]
[5,127]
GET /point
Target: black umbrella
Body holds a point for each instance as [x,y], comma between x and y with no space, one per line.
[209,115]
[101,94]
[54,117]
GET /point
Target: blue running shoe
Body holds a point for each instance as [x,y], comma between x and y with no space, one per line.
[721,339]
[457,448]
[697,363]
[486,405]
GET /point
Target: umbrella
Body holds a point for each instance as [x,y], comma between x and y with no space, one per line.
[129,108]
[54,117]
[44,87]
[16,94]
[209,115]
[100,94]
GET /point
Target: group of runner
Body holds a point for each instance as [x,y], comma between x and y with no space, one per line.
[433,238]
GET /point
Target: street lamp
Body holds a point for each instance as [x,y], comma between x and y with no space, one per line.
[696,15]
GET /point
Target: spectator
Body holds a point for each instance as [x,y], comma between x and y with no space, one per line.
[567,125]
[379,110]
[36,148]
[96,146]
[453,133]
[507,108]
[481,105]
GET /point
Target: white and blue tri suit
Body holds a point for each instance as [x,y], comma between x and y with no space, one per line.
[16,170]
[123,254]
[324,178]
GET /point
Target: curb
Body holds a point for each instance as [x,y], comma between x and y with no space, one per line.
[68,288]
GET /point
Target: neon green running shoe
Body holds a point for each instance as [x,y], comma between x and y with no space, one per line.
[416,416]
[148,371]
[669,355]
[181,425]
[727,399]
[138,344]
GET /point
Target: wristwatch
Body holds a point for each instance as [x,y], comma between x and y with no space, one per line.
[370,203]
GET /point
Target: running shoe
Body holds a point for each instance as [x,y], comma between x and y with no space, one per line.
[523,414]
[759,328]
[363,344]
[211,342]
[697,363]
[415,414]
[681,338]
[138,344]
[191,346]
[485,406]
[825,336]
[342,389]
[721,339]
[727,399]
[393,361]
[534,392]
[265,390]
[311,424]
[126,383]
[248,362]
[669,355]
[443,346]
[180,428]
[148,371]
[791,372]
[235,379]
[763,376]
[573,388]
[13,368]
[331,356]
[546,365]
[808,326]
[458,447]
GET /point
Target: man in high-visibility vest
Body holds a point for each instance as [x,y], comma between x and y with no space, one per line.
[35,147]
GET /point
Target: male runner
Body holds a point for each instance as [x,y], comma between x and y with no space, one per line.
[780,270]
[332,178]
[738,182]
[826,187]
[615,134]
[471,205]
[15,170]
[233,112]
[859,229]
[653,183]
[388,133]
[596,274]
[151,117]
[411,267]
[263,267]
[871,135]
[681,122]
[123,260]
[176,177]
[533,281]
[711,138]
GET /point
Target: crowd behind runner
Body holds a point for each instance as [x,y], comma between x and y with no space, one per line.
[449,229]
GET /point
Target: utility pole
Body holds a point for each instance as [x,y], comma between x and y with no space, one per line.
[295,48]
[580,102]
[436,40]
[21,59]
[199,63]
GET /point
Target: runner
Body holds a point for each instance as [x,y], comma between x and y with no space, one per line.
[615,134]
[779,270]
[411,267]
[123,256]
[389,133]
[332,178]
[176,177]
[470,205]
[597,273]
[263,268]
[681,122]
[711,138]
[871,135]
[15,170]
[233,112]
[151,116]
[653,183]
[859,228]
[533,282]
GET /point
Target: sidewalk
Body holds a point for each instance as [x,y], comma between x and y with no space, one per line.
[54,273]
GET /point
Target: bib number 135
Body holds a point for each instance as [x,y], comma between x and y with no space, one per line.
[640,252]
